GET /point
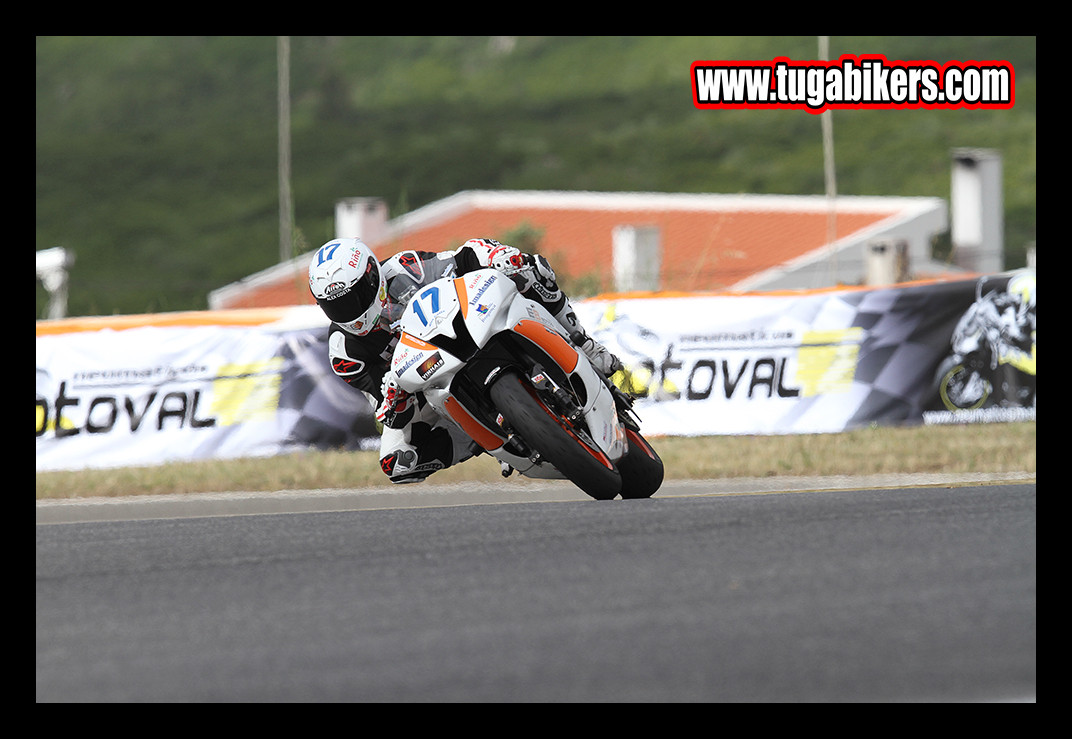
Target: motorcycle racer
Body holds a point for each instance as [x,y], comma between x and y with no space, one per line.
[365,300]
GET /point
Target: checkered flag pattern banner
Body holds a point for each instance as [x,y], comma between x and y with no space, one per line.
[823,362]
[702,365]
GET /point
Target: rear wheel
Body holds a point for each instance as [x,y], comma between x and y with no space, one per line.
[570,449]
[962,388]
[641,468]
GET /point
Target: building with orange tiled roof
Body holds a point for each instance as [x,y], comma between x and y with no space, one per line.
[694,242]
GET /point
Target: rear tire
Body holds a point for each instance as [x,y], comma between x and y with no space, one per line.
[960,387]
[641,468]
[571,454]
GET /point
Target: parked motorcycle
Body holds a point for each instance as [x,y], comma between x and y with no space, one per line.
[504,370]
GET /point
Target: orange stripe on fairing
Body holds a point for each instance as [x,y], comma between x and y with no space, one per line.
[413,341]
[463,296]
[550,341]
[480,433]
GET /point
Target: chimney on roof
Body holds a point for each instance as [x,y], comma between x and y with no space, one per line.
[361,218]
[978,210]
[637,258]
[887,261]
[52,269]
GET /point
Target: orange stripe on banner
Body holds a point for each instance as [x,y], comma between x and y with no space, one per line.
[550,341]
[242,317]
[481,434]
[609,297]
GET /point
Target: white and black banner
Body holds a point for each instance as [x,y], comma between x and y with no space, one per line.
[826,361]
[214,387]
[153,394]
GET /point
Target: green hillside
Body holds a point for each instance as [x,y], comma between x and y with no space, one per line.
[157,156]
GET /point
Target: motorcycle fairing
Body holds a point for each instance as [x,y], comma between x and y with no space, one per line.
[477,324]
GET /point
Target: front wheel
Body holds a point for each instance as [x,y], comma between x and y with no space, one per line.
[570,450]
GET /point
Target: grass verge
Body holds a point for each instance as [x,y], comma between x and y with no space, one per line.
[975,448]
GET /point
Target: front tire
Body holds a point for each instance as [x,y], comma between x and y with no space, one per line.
[570,450]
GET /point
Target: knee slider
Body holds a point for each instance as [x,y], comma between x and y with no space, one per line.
[431,450]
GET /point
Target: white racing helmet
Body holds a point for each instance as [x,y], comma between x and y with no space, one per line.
[348,284]
[1022,287]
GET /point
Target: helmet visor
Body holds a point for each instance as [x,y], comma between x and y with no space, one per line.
[349,305]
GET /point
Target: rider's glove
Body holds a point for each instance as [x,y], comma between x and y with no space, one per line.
[398,406]
[508,260]
[501,257]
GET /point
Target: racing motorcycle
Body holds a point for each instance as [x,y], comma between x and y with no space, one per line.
[505,371]
[989,365]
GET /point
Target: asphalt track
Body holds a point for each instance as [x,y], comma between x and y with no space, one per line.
[914,590]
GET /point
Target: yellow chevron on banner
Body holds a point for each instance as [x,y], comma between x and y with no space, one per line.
[826,360]
[247,392]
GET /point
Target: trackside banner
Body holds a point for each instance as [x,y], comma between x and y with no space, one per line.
[826,362]
[146,390]
[204,388]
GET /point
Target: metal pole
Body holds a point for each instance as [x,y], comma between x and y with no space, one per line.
[828,166]
[286,207]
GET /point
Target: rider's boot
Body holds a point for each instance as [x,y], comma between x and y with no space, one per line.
[600,357]
[538,281]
